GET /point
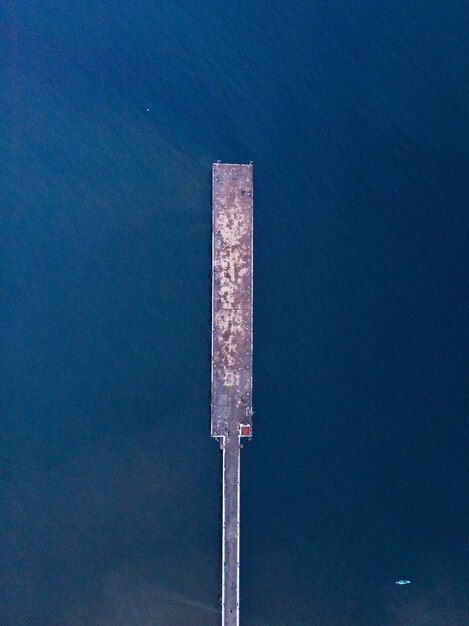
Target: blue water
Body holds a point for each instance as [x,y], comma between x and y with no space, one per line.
[355,114]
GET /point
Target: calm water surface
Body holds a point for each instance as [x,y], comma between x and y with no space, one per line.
[355,114]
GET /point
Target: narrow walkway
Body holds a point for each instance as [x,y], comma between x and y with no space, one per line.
[230,577]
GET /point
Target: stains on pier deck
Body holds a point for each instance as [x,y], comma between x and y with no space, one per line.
[231,403]
[231,298]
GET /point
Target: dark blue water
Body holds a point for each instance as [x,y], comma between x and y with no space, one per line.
[355,114]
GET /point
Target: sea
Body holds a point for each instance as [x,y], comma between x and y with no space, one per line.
[355,114]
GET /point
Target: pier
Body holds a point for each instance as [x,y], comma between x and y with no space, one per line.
[231,372]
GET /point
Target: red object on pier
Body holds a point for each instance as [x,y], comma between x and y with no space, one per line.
[246,430]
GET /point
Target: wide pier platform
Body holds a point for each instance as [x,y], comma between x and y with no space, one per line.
[231,402]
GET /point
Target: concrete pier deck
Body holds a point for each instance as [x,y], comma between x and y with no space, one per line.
[231,402]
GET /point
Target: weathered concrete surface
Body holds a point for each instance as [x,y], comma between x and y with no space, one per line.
[231,298]
[230,533]
[231,351]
